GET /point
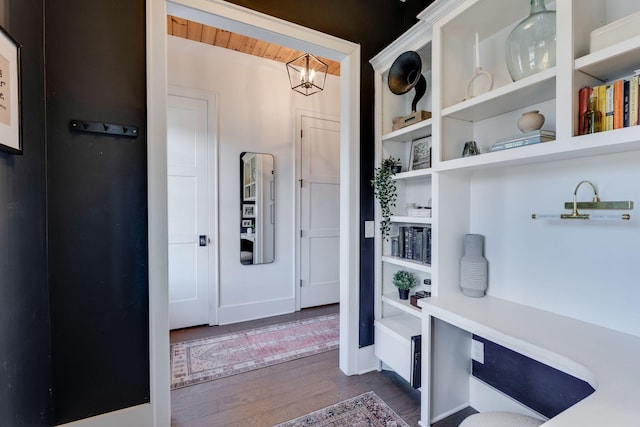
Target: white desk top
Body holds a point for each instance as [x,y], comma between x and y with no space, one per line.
[606,359]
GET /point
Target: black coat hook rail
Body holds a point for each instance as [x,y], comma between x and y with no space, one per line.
[104,128]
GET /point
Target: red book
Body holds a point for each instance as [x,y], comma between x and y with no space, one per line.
[583,104]
[618,104]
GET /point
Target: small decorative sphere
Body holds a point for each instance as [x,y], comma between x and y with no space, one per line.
[531,120]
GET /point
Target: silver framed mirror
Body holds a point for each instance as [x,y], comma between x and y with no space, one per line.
[257,208]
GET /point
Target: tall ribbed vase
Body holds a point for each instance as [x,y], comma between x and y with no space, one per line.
[473,266]
[531,46]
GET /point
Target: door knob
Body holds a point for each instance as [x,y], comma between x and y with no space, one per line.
[203,240]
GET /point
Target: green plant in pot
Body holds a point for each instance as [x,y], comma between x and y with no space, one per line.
[384,188]
[404,281]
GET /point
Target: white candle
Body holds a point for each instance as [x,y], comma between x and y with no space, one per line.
[477,51]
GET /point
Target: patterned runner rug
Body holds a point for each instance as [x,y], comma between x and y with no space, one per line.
[207,359]
[364,410]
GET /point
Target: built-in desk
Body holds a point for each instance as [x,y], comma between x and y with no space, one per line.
[608,360]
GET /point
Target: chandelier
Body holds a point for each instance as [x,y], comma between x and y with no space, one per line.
[307,74]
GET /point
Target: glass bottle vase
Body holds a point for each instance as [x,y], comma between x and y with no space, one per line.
[531,46]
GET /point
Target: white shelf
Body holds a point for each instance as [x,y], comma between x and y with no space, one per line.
[410,133]
[410,219]
[613,62]
[406,263]
[610,142]
[534,89]
[394,300]
[415,174]
[403,326]
[459,188]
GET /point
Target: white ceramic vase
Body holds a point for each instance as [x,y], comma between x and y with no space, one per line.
[473,267]
[531,120]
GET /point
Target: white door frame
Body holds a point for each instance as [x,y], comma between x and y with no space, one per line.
[212,190]
[299,114]
[255,24]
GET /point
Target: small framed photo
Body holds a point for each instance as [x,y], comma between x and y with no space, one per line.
[420,157]
[248,210]
[247,223]
[10,114]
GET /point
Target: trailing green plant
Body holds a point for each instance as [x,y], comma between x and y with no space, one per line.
[384,188]
[403,279]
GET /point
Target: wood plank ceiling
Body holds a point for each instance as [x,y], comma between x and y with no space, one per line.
[191,30]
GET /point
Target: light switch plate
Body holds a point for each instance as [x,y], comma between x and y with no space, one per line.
[477,351]
[369,229]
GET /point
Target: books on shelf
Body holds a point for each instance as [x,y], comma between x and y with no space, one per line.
[526,138]
[412,243]
[583,103]
[617,101]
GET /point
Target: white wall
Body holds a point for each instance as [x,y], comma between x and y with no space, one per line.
[582,269]
[256,112]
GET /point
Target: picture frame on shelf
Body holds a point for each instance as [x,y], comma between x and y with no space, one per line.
[247,223]
[420,156]
[10,88]
[248,210]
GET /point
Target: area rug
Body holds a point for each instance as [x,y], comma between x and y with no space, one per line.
[364,410]
[207,359]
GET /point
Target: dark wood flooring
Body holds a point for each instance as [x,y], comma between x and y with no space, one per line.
[278,393]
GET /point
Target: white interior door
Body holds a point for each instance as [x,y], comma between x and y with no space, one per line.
[319,212]
[189,173]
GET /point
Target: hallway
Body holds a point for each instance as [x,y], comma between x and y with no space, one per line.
[271,395]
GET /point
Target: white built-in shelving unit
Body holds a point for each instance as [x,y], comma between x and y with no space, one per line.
[579,270]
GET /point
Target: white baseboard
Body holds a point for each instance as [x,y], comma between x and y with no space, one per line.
[485,398]
[135,416]
[252,311]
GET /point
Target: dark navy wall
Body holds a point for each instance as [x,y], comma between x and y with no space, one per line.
[542,388]
[24,316]
[97,210]
[373,25]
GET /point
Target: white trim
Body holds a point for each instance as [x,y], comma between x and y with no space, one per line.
[239,19]
[349,210]
[295,36]
[212,190]
[157,214]
[437,10]
[413,39]
[258,310]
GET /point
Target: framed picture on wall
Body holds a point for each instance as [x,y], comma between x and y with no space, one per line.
[248,210]
[420,157]
[10,114]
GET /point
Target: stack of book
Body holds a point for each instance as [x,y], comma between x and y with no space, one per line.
[414,243]
[526,138]
[617,103]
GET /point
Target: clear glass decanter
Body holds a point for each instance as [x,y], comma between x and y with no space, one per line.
[531,46]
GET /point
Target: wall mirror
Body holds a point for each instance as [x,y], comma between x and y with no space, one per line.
[257,208]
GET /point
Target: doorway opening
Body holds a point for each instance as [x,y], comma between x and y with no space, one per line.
[241,20]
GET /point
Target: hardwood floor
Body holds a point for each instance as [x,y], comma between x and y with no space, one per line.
[278,393]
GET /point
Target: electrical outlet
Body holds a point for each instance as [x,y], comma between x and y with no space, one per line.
[477,351]
[369,229]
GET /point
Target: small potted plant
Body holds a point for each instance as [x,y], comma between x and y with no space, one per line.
[384,188]
[404,280]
